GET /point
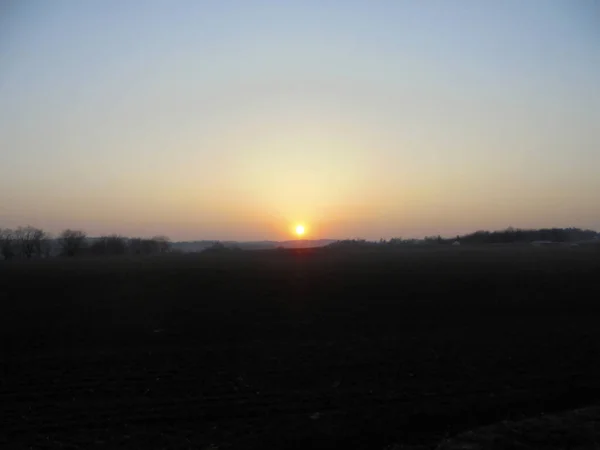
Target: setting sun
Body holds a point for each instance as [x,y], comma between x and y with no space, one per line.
[300,230]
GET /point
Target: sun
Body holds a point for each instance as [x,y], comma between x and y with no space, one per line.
[299,230]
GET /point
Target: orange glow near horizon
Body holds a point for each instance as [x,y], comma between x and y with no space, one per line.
[347,144]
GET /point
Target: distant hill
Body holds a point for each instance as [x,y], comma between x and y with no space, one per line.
[198,246]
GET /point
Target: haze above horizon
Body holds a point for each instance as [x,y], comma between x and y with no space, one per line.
[239,120]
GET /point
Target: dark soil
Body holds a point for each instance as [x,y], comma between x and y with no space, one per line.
[577,430]
[294,349]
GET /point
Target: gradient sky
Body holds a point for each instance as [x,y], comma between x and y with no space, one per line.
[236,119]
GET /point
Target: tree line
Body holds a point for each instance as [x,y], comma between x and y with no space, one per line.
[517,235]
[508,236]
[29,242]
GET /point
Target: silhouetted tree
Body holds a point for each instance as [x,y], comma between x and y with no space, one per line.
[516,235]
[216,248]
[115,244]
[46,246]
[29,240]
[395,242]
[352,244]
[72,242]
[109,245]
[7,237]
[163,243]
[135,246]
[140,246]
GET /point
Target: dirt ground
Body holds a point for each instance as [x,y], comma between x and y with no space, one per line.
[294,349]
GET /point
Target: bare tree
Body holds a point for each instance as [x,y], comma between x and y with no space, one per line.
[135,246]
[163,243]
[72,241]
[44,248]
[109,245]
[7,244]
[29,240]
[142,246]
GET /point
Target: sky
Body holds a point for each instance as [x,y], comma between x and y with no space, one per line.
[239,119]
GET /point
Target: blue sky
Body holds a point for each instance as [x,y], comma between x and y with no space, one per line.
[239,119]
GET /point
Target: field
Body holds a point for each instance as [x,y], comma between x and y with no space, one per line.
[294,349]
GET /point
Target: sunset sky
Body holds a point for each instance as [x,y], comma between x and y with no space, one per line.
[239,119]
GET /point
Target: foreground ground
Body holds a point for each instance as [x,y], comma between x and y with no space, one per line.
[577,429]
[294,349]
